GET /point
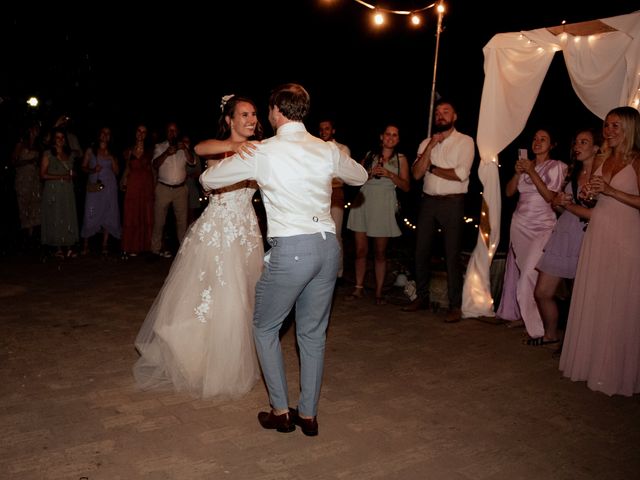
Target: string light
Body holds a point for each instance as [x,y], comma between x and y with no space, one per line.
[379,13]
[414,17]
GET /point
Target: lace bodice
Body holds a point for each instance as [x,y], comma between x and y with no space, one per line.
[229,218]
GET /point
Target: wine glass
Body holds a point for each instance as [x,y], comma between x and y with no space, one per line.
[588,197]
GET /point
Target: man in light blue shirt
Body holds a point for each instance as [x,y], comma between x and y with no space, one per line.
[294,171]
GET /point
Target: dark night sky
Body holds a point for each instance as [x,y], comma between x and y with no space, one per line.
[120,64]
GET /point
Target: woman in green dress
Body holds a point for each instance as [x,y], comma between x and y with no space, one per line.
[59,220]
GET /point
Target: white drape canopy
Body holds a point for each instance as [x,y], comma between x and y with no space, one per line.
[603,61]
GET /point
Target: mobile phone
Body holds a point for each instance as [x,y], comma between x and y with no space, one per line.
[522,154]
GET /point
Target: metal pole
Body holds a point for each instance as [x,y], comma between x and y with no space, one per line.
[435,67]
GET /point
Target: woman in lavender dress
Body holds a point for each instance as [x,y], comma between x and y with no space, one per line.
[101,211]
[537,182]
[560,257]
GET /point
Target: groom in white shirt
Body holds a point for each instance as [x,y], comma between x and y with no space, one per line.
[294,171]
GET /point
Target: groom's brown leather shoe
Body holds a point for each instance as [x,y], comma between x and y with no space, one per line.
[282,423]
[309,426]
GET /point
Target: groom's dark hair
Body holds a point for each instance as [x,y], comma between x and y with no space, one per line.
[292,100]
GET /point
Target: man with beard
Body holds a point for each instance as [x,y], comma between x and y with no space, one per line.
[444,162]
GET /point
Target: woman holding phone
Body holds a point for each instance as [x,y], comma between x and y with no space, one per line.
[536,181]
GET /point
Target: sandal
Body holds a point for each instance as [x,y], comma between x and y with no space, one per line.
[71,254]
[380,301]
[59,254]
[357,293]
[538,342]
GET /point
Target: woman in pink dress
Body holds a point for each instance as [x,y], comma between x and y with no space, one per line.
[537,182]
[602,341]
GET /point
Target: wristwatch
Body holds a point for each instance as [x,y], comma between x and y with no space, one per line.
[431,167]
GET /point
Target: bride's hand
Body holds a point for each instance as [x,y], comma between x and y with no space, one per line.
[245,149]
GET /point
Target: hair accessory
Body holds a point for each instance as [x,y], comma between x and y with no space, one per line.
[224,101]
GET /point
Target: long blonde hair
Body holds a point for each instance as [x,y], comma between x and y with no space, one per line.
[630,145]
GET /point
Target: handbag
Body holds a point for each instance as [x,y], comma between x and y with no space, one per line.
[96,186]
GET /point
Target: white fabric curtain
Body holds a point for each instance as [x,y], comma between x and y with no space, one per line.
[605,73]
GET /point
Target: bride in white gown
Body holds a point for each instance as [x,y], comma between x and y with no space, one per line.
[197,336]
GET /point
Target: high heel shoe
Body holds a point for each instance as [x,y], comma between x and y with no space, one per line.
[358,292]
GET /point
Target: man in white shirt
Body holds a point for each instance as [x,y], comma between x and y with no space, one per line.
[294,171]
[170,158]
[326,131]
[444,162]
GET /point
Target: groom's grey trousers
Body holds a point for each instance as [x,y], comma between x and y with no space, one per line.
[298,270]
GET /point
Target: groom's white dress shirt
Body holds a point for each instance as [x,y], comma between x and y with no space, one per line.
[294,171]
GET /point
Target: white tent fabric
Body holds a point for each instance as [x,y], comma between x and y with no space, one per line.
[604,69]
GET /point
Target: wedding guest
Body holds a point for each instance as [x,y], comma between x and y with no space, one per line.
[560,257]
[66,123]
[444,163]
[138,184]
[26,160]
[602,341]
[59,219]
[373,213]
[170,158]
[101,209]
[326,131]
[536,181]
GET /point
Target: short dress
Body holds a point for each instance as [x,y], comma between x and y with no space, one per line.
[560,257]
[374,210]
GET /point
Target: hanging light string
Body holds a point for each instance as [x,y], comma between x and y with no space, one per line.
[396,12]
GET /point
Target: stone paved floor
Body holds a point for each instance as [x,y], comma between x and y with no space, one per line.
[405,396]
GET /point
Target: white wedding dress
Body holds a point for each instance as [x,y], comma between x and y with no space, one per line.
[197,336]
